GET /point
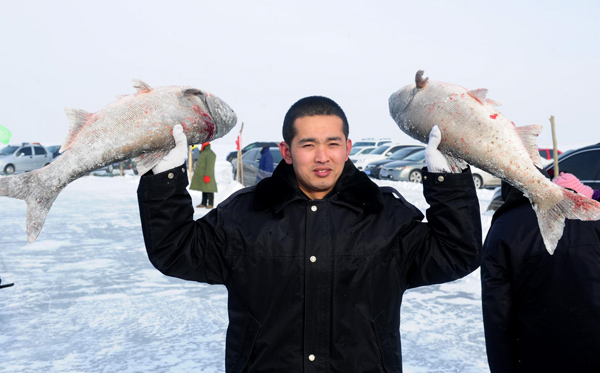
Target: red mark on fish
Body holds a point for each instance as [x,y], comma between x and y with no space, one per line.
[494,116]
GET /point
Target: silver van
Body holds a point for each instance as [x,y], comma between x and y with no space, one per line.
[24,157]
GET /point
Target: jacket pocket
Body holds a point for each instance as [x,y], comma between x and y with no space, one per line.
[389,343]
[240,359]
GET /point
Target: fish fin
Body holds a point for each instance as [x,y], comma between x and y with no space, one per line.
[491,102]
[30,188]
[528,135]
[572,206]
[77,119]
[121,96]
[479,94]
[141,86]
[147,161]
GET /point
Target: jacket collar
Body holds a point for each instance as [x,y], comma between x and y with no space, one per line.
[353,187]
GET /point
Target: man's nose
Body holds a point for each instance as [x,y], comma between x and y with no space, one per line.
[321,155]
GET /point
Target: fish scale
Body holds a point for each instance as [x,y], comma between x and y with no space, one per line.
[474,131]
[138,126]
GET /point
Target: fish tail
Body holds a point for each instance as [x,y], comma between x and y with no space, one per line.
[572,206]
[39,196]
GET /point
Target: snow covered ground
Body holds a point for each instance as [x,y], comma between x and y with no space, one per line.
[86,298]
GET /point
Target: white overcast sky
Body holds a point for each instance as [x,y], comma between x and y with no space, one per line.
[538,58]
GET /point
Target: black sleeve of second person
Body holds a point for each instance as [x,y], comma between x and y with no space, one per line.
[448,246]
[177,245]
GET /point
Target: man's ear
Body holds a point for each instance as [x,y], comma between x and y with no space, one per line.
[285,152]
[348,148]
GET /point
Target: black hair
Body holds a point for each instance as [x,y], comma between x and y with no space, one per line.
[310,106]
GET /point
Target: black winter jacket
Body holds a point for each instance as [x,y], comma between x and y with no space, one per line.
[314,285]
[541,312]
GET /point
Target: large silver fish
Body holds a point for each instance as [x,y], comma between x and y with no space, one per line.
[138,126]
[474,131]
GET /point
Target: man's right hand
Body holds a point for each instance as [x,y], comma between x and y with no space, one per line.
[436,161]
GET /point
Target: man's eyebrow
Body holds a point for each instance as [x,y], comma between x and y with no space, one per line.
[312,139]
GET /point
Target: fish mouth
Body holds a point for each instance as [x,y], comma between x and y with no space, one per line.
[401,99]
[223,116]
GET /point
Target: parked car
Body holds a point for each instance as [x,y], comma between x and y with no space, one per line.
[381,152]
[356,151]
[24,157]
[54,149]
[374,168]
[547,155]
[484,179]
[232,157]
[370,141]
[408,169]
[583,163]
[251,160]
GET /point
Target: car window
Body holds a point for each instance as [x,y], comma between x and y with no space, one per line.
[277,157]
[39,150]
[251,154]
[367,150]
[543,153]
[380,150]
[364,143]
[8,150]
[402,153]
[584,165]
[26,150]
[418,156]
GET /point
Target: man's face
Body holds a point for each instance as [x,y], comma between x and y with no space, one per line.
[318,153]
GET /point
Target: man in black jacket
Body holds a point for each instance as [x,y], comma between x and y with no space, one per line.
[317,257]
[541,312]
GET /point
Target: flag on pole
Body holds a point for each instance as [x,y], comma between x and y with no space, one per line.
[4,135]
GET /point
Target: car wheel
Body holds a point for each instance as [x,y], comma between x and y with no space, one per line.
[478,181]
[9,169]
[415,176]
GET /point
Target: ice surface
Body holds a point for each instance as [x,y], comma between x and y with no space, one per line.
[86,298]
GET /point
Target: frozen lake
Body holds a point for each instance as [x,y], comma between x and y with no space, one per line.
[86,298]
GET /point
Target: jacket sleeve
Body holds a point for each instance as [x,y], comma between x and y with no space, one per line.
[448,246]
[497,301]
[177,245]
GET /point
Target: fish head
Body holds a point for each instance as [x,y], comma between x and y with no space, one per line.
[224,117]
[399,101]
[212,111]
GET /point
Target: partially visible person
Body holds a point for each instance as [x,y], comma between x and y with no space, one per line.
[265,165]
[571,181]
[203,179]
[541,312]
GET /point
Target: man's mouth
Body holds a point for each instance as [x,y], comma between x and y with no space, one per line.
[322,172]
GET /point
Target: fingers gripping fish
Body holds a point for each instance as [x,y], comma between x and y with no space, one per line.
[137,126]
[474,131]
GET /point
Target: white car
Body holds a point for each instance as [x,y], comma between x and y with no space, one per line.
[24,157]
[358,151]
[370,141]
[381,152]
[483,179]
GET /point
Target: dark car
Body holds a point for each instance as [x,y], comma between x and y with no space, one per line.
[251,160]
[374,168]
[231,157]
[584,163]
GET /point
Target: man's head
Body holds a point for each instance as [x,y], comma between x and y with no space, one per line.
[316,144]
[311,106]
